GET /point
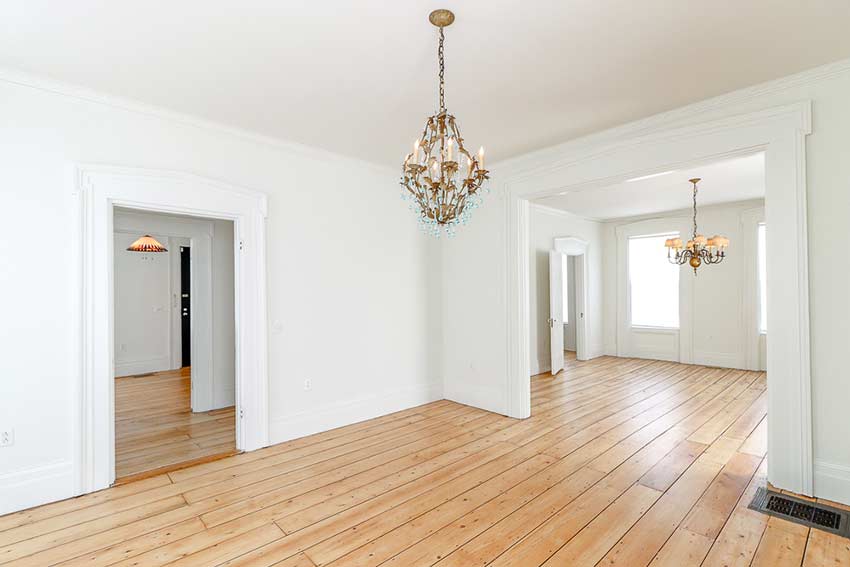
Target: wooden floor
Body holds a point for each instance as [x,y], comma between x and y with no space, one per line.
[155,428]
[624,462]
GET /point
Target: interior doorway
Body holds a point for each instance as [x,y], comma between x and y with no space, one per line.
[780,134]
[174,341]
[567,301]
[185,307]
[99,189]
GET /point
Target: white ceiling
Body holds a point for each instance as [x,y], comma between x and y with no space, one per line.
[359,78]
[737,179]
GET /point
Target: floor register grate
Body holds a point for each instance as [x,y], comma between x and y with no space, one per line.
[812,514]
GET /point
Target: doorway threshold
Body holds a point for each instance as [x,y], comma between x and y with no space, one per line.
[173,467]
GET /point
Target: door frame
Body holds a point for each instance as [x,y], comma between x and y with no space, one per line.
[99,188]
[598,161]
[577,248]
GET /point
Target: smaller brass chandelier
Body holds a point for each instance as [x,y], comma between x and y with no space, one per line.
[699,249]
[147,243]
[440,178]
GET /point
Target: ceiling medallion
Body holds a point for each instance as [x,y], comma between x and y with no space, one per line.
[440,179]
[699,249]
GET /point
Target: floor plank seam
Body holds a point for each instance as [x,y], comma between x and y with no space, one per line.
[452,484]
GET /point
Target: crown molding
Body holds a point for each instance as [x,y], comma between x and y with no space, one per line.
[561,212]
[647,125]
[52,86]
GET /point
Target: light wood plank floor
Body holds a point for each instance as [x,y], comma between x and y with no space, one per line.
[624,462]
[155,428]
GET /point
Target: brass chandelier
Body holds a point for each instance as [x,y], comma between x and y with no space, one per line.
[699,249]
[440,178]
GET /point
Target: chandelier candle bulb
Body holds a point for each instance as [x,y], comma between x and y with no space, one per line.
[481,157]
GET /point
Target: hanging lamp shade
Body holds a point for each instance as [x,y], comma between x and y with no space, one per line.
[147,243]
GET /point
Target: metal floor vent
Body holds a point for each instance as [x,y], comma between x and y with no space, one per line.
[797,510]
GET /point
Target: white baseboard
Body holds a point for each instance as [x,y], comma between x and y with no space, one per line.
[488,398]
[720,359]
[133,367]
[26,488]
[595,351]
[345,413]
[832,481]
[653,355]
[540,366]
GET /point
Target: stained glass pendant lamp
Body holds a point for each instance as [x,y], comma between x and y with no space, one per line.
[147,243]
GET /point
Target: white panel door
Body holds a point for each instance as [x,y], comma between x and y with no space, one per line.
[556,310]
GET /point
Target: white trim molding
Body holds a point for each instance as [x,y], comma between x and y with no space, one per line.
[577,247]
[309,422]
[655,145]
[832,481]
[98,189]
[35,486]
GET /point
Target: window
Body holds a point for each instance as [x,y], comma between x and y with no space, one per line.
[653,283]
[762,268]
[566,288]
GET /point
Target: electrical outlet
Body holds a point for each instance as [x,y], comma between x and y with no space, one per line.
[7,437]
[308,385]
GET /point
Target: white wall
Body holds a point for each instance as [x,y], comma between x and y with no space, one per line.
[345,258]
[717,321]
[478,262]
[547,224]
[143,310]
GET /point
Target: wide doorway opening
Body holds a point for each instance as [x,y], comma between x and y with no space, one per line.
[174,344]
[671,394]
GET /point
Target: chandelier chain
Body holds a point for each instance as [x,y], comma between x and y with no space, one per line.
[442,72]
[695,210]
